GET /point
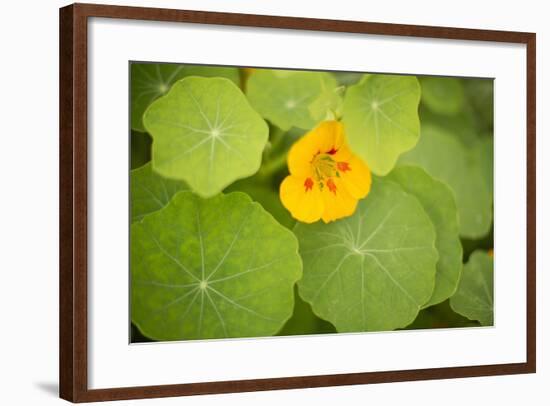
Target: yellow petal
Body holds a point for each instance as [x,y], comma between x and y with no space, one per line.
[327,136]
[303,200]
[300,156]
[356,177]
[337,201]
[343,153]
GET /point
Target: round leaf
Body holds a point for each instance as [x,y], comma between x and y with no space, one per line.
[474,296]
[438,201]
[150,192]
[381,119]
[212,268]
[205,133]
[328,104]
[464,169]
[285,97]
[373,270]
[149,81]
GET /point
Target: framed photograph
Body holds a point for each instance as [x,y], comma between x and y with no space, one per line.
[255,202]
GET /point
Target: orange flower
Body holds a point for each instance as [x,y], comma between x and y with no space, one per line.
[326,179]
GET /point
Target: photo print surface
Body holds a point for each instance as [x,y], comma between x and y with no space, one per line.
[273,202]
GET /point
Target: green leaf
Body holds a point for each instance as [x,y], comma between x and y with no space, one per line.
[381,119]
[285,97]
[205,133]
[474,296]
[212,268]
[149,81]
[328,105]
[437,199]
[447,159]
[373,270]
[442,95]
[150,192]
[304,321]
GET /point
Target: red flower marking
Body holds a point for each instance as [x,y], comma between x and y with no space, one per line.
[331,186]
[332,151]
[308,184]
[343,166]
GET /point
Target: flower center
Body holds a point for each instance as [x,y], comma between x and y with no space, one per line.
[323,167]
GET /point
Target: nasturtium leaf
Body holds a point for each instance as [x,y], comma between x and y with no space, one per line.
[205,133]
[445,158]
[328,105]
[284,97]
[374,270]
[474,296]
[150,192]
[443,95]
[149,81]
[381,119]
[438,201]
[212,268]
[304,321]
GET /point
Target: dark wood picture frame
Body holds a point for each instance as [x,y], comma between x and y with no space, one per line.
[73,200]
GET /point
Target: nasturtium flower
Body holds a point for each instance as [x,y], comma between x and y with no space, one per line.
[326,179]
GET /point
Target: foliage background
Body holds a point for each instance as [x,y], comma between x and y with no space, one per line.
[456,111]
